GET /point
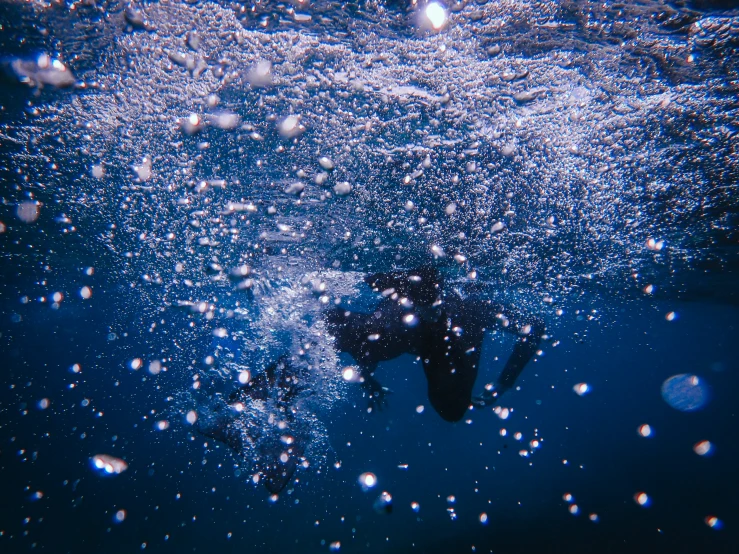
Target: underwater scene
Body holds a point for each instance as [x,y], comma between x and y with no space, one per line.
[369,276]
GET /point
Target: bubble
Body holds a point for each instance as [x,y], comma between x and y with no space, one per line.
[574,509]
[420,409]
[161,425]
[335,546]
[191,417]
[434,15]
[581,389]
[685,392]
[348,374]
[384,503]
[415,506]
[645,430]
[567,497]
[593,517]
[367,480]
[244,376]
[713,522]
[108,465]
[671,316]
[85,292]
[44,403]
[484,518]
[28,211]
[642,499]
[119,516]
[703,448]
[136,364]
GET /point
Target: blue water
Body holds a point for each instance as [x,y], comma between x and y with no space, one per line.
[550,156]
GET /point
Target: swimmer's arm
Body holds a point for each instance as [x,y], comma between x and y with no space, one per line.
[530,331]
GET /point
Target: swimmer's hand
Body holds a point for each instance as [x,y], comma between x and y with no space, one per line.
[376,393]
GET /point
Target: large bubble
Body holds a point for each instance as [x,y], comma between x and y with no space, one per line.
[685,392]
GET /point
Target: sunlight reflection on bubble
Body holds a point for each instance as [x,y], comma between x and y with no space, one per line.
[703,448]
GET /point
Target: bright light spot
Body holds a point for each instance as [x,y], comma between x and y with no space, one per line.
[702,448]
[534,444]
[136,363]
[348,374]
[436,15]
[713,522]
[415,506]
[419,409]
[645,430]
[649,289]
[503,432]
[335,546]
[502,413]
[451,499]
[284,457]
[44,403]
[191,417]
[518,435]
[567,497]
[671,316]
[484,518]
[581,389]
[437,251]
[109,464]
[76,368]
[641,498]
[574,510]
[244,376]
[57,297]
[38,495]
[409,319]
[119,516]
[373,337]
[593,517]
[367,480]
[162,425]
[85,292]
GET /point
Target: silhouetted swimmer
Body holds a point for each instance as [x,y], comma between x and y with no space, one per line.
[445,329]
[275,436]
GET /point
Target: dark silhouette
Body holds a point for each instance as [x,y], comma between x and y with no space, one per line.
[446,330]
[275,435]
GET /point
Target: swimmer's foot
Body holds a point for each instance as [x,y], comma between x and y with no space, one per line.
[376,393]
[489,397]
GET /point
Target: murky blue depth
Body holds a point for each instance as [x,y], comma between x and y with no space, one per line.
[188,187]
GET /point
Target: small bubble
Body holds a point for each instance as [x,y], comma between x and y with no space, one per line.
[244,376]
[645,430]
[713,522]
[484,518]
[574,509]
[420,408]
[642,499]
[136,364]
[85,292]
[415,506]
[367,480]
[191,417]
[567,497]
[671,316]
[703,448]
[581,389]
[28,211]
[44,403]
[593,517]
[119,516]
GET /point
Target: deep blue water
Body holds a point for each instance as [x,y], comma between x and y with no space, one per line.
[575,160]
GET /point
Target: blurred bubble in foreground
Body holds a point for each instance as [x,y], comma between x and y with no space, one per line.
[108,465]
[685,392]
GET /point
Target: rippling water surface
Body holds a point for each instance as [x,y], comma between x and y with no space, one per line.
[187,186]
